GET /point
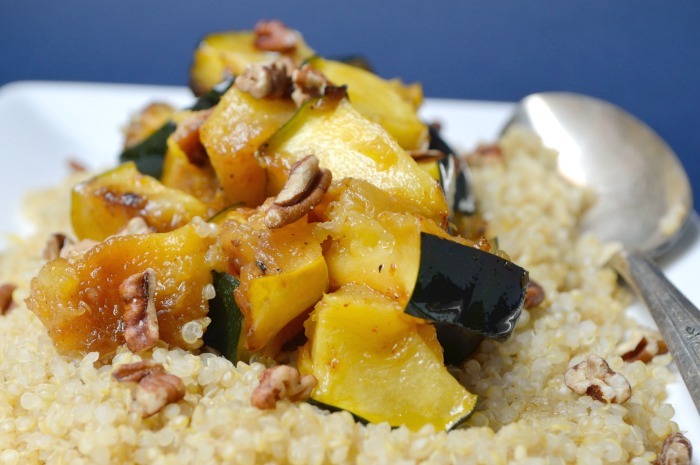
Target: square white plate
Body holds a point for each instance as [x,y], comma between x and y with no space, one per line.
[44,124]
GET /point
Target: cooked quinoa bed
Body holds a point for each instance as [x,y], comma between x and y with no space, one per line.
[65,410]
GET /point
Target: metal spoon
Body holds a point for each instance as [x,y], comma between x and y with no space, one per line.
[643,200]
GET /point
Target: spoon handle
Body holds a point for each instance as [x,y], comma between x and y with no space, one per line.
[677,318]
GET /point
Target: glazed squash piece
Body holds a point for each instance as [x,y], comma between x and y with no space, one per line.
[232,134]
[198,181]
[79,302]
[225,54]
[368,238]
[388,103]
[104,204]
[380,364]
[282,272]
[350,145]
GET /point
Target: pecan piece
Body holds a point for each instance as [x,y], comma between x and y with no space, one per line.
[155,388]
[427,155]
[146,122]
[6,302]
[140,319]
[643,346]
[676,450]
[271,80]
[485,154]
[275,36]
[595,378]
[186,136]
[135,372]
[55,243]
[304,189]
[308,83]
[135,226]
[281,382]
[534,294]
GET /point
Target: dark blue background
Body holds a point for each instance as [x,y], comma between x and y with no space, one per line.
[642,55]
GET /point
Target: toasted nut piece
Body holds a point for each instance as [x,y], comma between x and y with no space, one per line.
[140,319]
[55,243]
[644,345]
[70,251]
[595,378]
[157,390]
[76,166]
[274,36]
[534,294]
[281,382]
[270,80]
[278,215]
[676,450]
[308,83]
[6,302]
[485,154]
[301,177]
[427,155]
[136,371]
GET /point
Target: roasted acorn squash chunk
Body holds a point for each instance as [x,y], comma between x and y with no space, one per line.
[368,238]
[198,181]
[376,362]
[350,145]
[282,272]
[79,302]
[231,135]
[105,203]
[385,102]
[225,54]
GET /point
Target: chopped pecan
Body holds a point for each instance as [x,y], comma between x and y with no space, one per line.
[483,244]
[427,155]
[6,302]
[76,166]
[281,382]
[595,378]
[136,371]
[156,390]
[140,319]
[676,450]
[271,80]
[299,195]
[308,83]
[644,345]
[55,243]
[71,250]
[275,36]
[186,136]
[485,154]
[534,294]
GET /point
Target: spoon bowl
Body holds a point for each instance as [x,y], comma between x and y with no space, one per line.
[643,197]
[643,200]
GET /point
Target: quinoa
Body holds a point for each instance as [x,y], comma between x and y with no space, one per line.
[58,409]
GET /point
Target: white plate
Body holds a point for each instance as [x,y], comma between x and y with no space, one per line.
[43,124]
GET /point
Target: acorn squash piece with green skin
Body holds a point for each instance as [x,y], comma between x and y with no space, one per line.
[468,293]
[239,125]
[150,152]
[373,360]
[379,100]
[224,54]
[104,204]
[350,145]
[282,272]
